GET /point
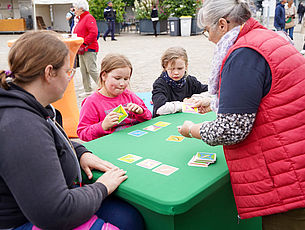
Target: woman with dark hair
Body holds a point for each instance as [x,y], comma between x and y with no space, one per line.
[256,84]
[38,164]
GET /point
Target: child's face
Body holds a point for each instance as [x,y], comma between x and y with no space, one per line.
[176,69]
[116,81]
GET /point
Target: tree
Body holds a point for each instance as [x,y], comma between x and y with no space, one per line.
[97,7]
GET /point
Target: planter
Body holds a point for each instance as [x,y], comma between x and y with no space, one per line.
[102,27]
[195,29]
[146,26]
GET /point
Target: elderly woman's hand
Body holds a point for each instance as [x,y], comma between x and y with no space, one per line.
[185,128]
[89,161]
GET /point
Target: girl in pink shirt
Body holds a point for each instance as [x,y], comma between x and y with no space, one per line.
[96,116]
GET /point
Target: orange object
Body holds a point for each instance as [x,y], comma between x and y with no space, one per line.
[68,104]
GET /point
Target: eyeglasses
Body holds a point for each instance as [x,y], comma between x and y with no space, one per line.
[71,73]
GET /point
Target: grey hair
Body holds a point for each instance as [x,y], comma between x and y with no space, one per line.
[81,4]
[236,11]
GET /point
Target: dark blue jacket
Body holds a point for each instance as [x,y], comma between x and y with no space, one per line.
[279,17]
[109,14]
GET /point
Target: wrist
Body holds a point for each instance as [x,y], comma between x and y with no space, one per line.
[190,131]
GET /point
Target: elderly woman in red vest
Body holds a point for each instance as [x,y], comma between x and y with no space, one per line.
[257,90]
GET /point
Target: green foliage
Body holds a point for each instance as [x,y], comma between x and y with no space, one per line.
[178,8]
[97,9]
[129,2]
[142,9]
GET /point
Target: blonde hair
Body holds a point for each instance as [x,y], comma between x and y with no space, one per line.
[114,61]
[172,54]
[30,55]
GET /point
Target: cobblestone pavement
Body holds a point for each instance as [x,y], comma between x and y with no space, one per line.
[144,52]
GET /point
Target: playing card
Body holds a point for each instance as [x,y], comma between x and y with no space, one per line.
[148,163]
[198,165]
[175,138]
[122,113]
[129,158]
[187,108]
[162,124]
[206,156]
[137,133]
[152,128]
[165,169]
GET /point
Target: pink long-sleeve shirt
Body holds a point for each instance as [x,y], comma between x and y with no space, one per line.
[96,107]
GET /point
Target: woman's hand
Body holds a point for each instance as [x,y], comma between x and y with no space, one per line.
[204,109]
[134,108]
[89,161]
[112,179]
[110,120]
[185,128]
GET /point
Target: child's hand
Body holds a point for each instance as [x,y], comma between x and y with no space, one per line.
[134,108]
[110,120]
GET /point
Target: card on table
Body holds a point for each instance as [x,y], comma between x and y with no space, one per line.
[122,113]
[187,108]
[162,124]
[137,133]
[206,156]
[152,128]
[129,158]
[165,169]
[148,163]
[175,138]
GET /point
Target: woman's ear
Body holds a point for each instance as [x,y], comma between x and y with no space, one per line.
[223,25]
[49,73]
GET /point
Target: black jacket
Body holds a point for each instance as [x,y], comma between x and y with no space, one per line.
[163,92]
[109,13]
[36,169]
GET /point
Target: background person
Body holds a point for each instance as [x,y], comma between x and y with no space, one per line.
[154,18]
[38,163]
[110,16]
[301,10]
[96,116]
[260,118]
[290,12]
[279,16]
[70,18]
[87,29]
[174,84]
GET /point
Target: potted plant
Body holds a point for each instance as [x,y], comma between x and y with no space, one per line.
[178,8]
[142,9]
[97,7]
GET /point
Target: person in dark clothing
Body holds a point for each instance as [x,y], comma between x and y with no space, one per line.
[279,17]
[154,18]
[39,165]
[300,11]
[70,18]
[174,85]
[110,16]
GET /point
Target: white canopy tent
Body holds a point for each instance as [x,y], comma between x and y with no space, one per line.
[57,12]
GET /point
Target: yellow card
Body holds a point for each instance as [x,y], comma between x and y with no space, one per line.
[175,138]
[129,158]
[162,124]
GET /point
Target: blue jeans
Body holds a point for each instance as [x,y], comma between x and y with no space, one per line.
[115,211]
[111,28]
[290,32]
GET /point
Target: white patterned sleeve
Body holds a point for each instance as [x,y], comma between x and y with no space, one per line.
[227,129]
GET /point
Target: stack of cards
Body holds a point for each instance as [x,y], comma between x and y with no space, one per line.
[202,159]
[187,108]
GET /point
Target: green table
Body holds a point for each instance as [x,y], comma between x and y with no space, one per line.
[191,197]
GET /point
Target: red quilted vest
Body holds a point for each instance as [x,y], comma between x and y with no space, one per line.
[267,169]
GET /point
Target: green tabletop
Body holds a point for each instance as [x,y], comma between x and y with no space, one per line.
[168,195]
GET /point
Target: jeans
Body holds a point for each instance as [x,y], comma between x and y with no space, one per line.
[111,28]
[290,32]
